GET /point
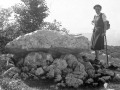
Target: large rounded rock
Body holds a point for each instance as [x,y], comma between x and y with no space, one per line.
[70,59]
[48,41]
[59,63]
[35,59]
[71,80]
[39,71]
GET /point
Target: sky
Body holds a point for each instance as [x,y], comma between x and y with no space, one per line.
[76,15]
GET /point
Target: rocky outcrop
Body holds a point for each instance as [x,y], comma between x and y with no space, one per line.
[48,41]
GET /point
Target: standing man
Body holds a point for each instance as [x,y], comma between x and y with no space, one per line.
[100,27]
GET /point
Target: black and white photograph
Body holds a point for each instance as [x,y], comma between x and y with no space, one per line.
[59,45]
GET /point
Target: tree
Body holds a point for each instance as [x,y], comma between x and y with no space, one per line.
[31,14]
[5,13]
[55,26]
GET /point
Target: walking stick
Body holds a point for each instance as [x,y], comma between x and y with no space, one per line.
[106,48]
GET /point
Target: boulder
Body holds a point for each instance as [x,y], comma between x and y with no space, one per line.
[25,69]
[35,59]
[104,79]
[24,76]
[39,71]
[70,59]
[59,63]
[71,80]
[89,81]
[47,41]
[106,72]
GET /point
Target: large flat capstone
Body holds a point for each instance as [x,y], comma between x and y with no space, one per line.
[49,41]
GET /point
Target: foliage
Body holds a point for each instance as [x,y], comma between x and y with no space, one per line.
[5,13]
[12,84]
[7,83]
[30,14]
[27,18]
[4,16]
[55,26]
[9,32]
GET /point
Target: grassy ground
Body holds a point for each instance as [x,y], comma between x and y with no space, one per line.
[38,85]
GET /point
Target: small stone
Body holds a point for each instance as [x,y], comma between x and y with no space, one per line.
[36,78]
[97,75]
[116,77]
[21,62]
[118,69]
[95,84]
[39,71]
[89,81]
[61,84]
[91,73]
[24,76]
[105,78]
[43,77]
[67,70]
[102,80]
[108,72]
[113,66]
[25,69]
[56,88]
[52,86]
[58,78]
[32,71]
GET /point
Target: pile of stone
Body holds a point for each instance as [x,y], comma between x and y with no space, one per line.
[48,55]
[67,71]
